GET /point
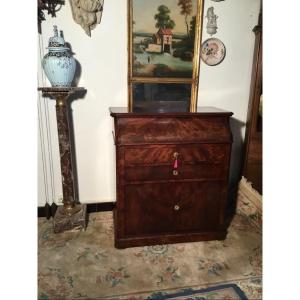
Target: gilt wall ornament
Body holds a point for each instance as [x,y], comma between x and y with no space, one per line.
[211,26]
[87,13]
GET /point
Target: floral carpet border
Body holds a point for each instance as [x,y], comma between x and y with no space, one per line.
[251,289]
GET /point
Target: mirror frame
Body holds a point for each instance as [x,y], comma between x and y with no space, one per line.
[194,81]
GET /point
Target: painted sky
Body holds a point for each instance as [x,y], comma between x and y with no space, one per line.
[144,11]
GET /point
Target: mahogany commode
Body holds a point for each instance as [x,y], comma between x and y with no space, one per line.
[171,175]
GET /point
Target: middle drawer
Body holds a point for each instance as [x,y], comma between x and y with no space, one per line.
[198,161]
[154,173]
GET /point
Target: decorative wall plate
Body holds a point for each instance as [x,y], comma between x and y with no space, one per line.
[213,51]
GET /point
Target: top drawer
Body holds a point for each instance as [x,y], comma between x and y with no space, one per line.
[165,155]
[172,130]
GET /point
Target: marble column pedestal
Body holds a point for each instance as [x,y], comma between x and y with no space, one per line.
[70,216]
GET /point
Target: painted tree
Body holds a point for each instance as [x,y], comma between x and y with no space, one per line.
[163,19]
[186,10]
[193,28]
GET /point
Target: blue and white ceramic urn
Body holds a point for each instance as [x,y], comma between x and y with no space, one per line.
[58,63]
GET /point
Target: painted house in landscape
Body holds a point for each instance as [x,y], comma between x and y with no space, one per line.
[163,38]
[162,41]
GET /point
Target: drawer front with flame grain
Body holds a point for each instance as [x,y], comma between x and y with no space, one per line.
[188,207]
[203,161]
[158,173]
[187,154]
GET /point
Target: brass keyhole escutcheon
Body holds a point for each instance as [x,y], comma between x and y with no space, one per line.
[176,207]
[175,172]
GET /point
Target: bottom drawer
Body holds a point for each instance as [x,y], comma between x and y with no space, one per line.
[161,208]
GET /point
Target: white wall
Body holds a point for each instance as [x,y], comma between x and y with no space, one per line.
[228,84]
[103,60]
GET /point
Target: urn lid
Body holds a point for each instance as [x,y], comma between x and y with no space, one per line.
[56,40]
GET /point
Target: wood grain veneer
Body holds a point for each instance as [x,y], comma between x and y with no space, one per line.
[154,204]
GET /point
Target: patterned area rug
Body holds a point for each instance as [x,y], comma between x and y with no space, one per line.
[85,265]
[226,291]
[251,288]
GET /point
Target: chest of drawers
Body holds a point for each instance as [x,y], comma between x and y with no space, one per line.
[171,176]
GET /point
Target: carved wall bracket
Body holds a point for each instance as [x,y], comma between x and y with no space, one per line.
[87,13]
[51,6]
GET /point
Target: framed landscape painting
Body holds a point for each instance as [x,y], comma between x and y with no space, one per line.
[164,41]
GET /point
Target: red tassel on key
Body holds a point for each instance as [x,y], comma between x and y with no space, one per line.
[175,164]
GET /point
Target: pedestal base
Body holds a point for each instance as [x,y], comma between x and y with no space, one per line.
[63,222]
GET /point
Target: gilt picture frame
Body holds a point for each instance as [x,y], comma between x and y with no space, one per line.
[164,39]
